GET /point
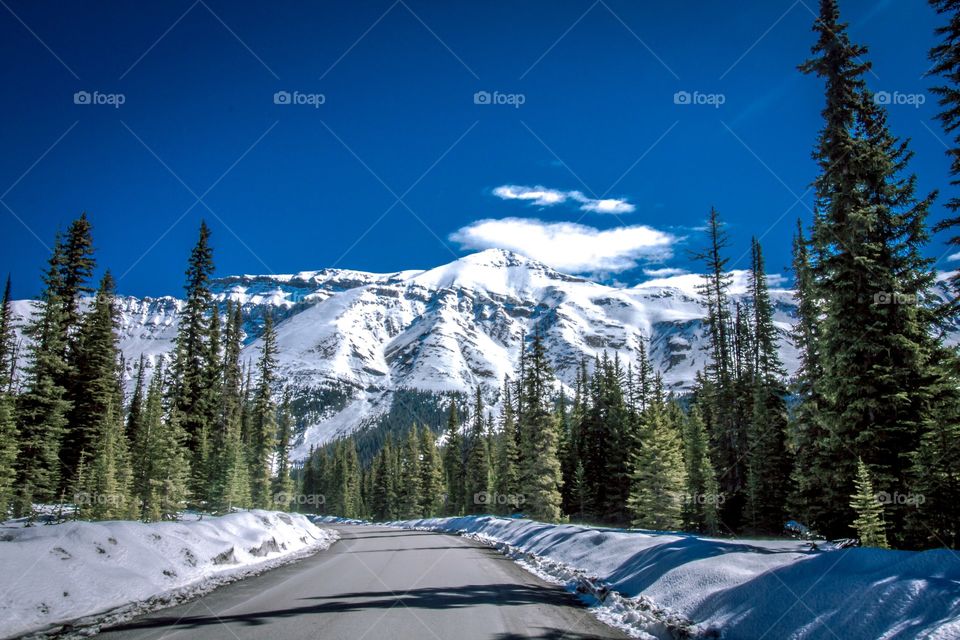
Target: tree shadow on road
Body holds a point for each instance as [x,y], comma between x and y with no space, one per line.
[500,595]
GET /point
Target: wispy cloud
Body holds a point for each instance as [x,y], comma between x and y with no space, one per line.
[570,247]
[664,272]
[545,197]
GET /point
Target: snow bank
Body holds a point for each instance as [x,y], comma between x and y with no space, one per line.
[676,585]
[51,575]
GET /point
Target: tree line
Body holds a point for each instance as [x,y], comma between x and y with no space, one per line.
[201,429]
[863,440]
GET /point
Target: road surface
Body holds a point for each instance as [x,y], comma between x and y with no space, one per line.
[379,583]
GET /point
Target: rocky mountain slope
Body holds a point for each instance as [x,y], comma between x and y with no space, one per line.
[353,344]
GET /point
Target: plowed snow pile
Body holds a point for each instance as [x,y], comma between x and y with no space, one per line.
[677,585]
[52,574]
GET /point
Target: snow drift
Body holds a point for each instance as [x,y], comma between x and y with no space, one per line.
[52,575]
[659,585]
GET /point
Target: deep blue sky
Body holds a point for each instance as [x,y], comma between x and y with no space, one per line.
[598,81]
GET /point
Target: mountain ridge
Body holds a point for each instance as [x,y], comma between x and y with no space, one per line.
[350,340]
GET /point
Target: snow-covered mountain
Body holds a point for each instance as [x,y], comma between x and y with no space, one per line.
[349,341]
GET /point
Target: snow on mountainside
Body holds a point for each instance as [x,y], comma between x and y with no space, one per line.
[349,340]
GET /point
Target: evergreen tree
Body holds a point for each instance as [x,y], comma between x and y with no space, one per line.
[191,373]
[807,500]
[384,500]
[540,479]
[8,450]
[431,476]
[408,494]
[945,56]
[135,410]
[702,499]
[868,509]
[76,271]
[42,408]
[507,479]
[477,476]
[94,382]
[282,483]
[767,449]
[453,464]
[310,484]
[7,345]
[264,420]
[105,477]
[659,480]
[722,392]
[876,341]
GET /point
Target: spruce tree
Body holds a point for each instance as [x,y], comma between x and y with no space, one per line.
[702,499]
[282,483]
[767,455]
[722,389]
[431,475]
[94,383]
[876,341]
[264,420]
[507,479]
[659,480]
[8,450]
[477,475]
[945,56]
[869,523]
[384,500]
[7,345]
[408,498]
[190,372]
[540,478]
[42,408]
[77,269]
[453,464]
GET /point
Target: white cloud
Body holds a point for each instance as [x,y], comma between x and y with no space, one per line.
[540,196]
[570,247]
[665,272]
[953,257]
[544,197]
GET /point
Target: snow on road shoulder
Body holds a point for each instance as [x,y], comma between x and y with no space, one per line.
[658,585]
[55,574]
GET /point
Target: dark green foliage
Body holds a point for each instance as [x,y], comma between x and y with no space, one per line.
[477,473]
[875,342]
[540,477]
[263,437]
[454,466]
[42,408]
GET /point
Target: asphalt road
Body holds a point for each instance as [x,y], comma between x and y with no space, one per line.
[380,583]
